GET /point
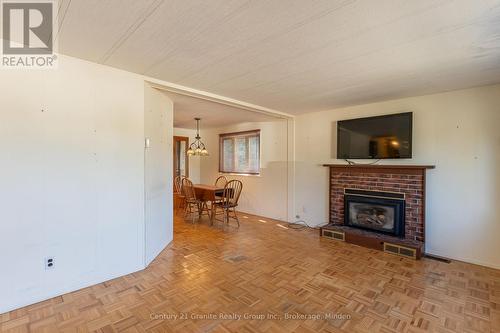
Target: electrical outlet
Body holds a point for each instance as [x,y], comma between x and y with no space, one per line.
[50,263]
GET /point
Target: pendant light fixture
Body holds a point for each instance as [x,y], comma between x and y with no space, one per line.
[197,148]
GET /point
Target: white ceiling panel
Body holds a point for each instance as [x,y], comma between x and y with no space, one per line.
[293,56]
[175,31]
[90,29]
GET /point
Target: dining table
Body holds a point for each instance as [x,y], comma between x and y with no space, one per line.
[208,193]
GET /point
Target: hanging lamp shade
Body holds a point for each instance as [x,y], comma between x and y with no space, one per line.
[197,148]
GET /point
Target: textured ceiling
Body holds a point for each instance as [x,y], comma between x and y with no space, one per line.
[293,55]
[212,114]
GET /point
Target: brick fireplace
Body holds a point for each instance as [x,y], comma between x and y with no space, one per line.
[407,181]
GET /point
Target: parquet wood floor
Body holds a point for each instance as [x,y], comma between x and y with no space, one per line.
[209,274]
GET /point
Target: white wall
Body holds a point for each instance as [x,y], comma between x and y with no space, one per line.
[456,131]
[194,161]
[264,195]
[158,183]
[72,180]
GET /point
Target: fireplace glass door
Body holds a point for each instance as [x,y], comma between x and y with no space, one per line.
[377,214]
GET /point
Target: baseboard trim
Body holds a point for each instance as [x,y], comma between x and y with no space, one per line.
[466,261]
[65,290]
[437,258]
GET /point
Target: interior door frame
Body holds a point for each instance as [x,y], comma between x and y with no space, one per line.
[177,139]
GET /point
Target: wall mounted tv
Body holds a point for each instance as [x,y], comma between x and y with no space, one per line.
[379,137]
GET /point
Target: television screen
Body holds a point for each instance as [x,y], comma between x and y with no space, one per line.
[375,137]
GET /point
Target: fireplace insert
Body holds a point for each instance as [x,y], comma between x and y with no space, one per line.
[375,211]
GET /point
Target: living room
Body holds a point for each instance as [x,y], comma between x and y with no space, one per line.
[369,206]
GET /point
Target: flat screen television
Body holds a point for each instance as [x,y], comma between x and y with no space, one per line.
[379,137]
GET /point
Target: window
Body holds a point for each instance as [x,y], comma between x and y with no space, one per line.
[240,152]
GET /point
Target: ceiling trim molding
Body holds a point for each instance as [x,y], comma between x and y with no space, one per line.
[183,90]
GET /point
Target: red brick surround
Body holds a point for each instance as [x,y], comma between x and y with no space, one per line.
[402,179]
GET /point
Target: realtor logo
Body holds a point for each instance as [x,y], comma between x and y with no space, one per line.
[27,34]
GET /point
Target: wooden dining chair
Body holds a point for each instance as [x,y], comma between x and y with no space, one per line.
[221,181]
[193,205]
[229,202]
[177,184]
[178,193]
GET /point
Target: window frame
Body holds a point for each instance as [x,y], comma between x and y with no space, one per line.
[234,135]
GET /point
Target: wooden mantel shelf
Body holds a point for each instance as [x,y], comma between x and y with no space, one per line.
[380,166]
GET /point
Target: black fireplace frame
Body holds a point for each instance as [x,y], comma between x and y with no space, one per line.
[399,212]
